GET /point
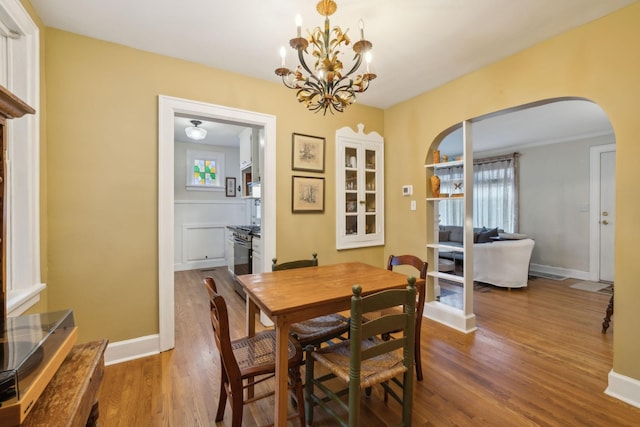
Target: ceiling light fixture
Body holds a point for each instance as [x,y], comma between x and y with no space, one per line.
[324,87]
[194,132]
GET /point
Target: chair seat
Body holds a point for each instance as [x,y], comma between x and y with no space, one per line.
[373,371]
[256,355]
[319,329]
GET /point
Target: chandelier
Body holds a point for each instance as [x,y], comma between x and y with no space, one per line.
[326,86]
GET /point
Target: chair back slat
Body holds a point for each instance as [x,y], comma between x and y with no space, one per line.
[390,323]
[387,299]
[383,348]
[302,263]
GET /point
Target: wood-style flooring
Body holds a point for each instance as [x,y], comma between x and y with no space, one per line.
[538,358]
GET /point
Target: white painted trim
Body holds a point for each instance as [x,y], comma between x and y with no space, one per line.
[239,202]
[21,300]
[594,208]
[136,348]
[450,316]
[24,81]
[167,108]
[200,265]
[624,388]
[559,271]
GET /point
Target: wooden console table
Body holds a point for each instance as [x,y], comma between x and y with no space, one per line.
[71,397]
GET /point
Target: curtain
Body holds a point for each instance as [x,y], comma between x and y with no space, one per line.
[495,193]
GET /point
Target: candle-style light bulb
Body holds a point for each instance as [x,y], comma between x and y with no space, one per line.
[361,29]
[283,54]
[367,58]
[299,24]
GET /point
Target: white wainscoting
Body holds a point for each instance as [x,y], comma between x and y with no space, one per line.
[200,231]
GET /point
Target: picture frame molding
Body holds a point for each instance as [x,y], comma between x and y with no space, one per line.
[298,206]
[316,144]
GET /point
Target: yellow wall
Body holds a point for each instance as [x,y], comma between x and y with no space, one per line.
[598,61]
[100,151]
[102,103]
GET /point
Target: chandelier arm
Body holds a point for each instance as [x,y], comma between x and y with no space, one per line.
[287,84]
[304,63]
[356,65]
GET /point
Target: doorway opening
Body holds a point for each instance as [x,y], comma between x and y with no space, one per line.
[566,152]
[168,108]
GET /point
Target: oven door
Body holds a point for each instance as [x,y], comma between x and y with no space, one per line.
[241,257]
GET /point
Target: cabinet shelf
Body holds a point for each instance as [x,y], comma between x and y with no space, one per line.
[437,199]
[446,276]
[445,248]
[445,164]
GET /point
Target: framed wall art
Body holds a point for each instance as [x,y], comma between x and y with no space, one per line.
[230,187]
[307,194]
[307,153]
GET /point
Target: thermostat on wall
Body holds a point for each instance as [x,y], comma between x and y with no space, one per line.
[407,190]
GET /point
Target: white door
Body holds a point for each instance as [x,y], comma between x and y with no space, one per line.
[607,214]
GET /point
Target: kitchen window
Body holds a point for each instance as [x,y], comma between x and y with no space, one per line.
[205,170]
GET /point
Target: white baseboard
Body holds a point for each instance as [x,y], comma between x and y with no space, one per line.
[450,316]
[199,265]
[624,388]
[124,351]
[559,271]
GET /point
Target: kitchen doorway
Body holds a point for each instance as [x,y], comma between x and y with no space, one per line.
[168,107]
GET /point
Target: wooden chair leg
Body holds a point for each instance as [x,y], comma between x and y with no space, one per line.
[418,363]
[222,400]
[308,389]
[296,386]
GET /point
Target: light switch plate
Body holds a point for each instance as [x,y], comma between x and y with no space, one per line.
[413,205]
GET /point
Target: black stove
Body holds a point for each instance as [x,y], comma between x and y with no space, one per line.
[242,252]
[245,232]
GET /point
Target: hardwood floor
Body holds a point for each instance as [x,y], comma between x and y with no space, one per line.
[538,359]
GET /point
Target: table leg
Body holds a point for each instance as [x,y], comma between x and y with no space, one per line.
[282,372]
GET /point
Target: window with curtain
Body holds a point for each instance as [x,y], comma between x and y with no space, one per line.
[495,193]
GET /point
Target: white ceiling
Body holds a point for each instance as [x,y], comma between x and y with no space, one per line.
[418,44]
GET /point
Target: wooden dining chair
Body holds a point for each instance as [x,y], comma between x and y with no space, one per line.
[365,360]
[320,329]
[421,267]
[248,361]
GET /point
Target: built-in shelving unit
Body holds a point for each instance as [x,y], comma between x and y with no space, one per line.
[463,318]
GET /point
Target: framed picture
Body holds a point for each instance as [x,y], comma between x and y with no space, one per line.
[307,153]
[307,194]
[230,187]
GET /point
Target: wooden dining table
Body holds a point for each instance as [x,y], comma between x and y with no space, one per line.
[289,296]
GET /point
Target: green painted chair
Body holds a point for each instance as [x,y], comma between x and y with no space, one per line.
[364,359]
[320,329]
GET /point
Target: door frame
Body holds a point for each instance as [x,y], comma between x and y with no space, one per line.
[167,108]
[594,211]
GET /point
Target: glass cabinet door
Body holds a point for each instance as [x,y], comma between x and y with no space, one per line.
[359,199]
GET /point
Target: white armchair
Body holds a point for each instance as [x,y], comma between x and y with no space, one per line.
[503,263]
